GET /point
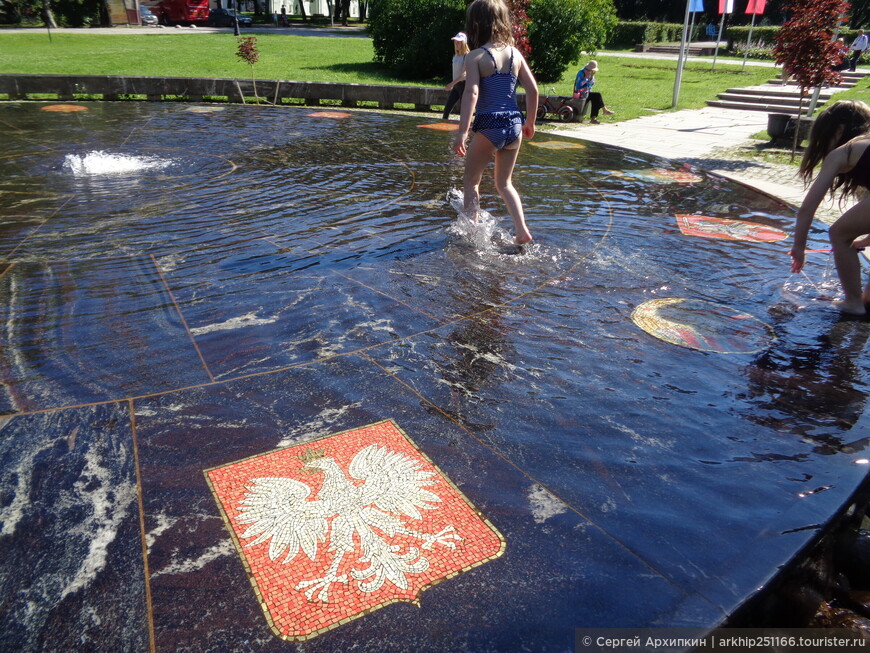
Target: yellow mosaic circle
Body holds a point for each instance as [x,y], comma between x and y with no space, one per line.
[703,325]
[557,145]
[204,109]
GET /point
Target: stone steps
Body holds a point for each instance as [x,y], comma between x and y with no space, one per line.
[776,97]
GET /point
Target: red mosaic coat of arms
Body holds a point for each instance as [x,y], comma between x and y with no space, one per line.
[335,528]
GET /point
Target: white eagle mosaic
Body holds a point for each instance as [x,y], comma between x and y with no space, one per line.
[281,509]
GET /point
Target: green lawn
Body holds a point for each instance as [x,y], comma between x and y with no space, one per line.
[632,87]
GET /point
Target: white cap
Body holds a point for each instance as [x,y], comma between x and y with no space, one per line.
[460,37]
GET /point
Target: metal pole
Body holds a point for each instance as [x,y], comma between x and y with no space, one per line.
[689,39]
[236,18]
[815,98]
[748,42]
[679,78]
[718,38]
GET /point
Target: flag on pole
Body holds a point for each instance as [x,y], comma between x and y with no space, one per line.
[698,5]
[755,6]
[726,6]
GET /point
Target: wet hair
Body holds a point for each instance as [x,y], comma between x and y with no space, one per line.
[488,20]
[854,117]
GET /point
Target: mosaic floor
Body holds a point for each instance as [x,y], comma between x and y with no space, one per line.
[261,389]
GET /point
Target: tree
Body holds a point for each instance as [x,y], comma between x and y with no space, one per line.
[250,54]
[413,36]
[860,14]
[520,13]
[805,45]
[560,30]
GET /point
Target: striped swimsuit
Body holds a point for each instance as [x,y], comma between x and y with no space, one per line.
[498,117]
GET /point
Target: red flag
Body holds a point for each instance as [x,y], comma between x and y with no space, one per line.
[726,6]
[755,7]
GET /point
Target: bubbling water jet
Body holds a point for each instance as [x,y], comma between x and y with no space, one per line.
[104,163]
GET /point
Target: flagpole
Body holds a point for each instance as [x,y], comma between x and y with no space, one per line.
[679,78]
[689,39]
[718,38]
[748,41]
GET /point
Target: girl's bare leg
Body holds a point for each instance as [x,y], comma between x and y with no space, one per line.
[504,167]
[852,224]
[478,156]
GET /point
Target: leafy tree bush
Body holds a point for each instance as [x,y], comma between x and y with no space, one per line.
[413,36]
[804,43]
[561,29]
[763,36]
[630,33]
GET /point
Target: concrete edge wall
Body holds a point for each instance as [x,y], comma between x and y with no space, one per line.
[113,87]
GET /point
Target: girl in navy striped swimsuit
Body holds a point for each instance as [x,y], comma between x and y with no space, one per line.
[493,68]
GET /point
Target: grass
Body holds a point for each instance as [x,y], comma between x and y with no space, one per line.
[630,86]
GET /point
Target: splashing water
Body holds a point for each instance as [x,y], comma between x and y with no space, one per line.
[103,163]
[481,231]
[800,288]
[491,241]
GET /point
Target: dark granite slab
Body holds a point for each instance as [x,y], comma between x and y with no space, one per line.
[230,293]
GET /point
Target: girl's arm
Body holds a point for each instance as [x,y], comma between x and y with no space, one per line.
[530,86]
[469,100]
[835,163]
[455,81]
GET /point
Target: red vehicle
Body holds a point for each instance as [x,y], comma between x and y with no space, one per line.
[180,12]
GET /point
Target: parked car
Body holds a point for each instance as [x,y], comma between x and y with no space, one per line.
[226,18]
[146,16]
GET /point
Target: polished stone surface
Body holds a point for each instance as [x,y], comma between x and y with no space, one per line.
[257,278]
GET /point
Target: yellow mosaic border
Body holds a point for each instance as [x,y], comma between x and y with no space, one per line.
[416,601]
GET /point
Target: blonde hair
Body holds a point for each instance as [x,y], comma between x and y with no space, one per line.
[854,117]
[488,20]
[463,47]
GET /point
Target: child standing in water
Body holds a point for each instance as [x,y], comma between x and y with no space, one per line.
[840,140]
[492,70]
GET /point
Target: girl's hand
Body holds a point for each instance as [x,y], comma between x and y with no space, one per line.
[459,143]
[797,259]
[528,130]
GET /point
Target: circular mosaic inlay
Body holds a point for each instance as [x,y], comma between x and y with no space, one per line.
[329,114]
[204,109]
[703,325]
[659,176]
[64,108]
[557,145]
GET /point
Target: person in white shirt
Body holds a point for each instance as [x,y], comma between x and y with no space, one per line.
[858,46]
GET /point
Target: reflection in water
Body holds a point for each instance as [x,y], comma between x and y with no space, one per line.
[480,350]
[813,386]
[479,345]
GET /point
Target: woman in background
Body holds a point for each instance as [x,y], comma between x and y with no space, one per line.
[583,84]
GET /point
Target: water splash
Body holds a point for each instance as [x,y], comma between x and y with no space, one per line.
[103,163]
[477,230]
[493,243]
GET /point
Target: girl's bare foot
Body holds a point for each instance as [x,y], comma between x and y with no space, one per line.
[851,307]
[522,240]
